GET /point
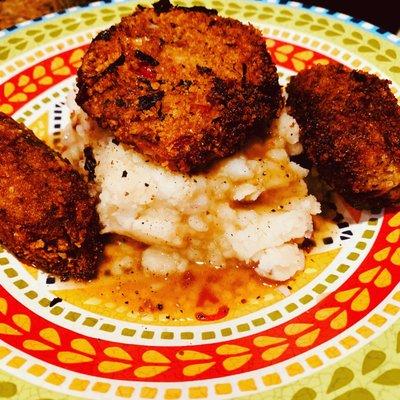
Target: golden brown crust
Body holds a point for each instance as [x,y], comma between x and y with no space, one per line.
[48,218]
[350,130]
[183,86]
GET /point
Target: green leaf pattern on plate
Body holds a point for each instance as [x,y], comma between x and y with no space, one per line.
[340,378]
[356,394]
[7,389]
[372,361]
[390,377]
[305,394]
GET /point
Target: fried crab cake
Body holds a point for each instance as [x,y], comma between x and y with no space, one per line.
[48,218]
[350,130]
[181,85]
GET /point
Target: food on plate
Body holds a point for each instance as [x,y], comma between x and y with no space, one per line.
[350,131]
[251,208]
[183,86]
[48,218]
[163,94]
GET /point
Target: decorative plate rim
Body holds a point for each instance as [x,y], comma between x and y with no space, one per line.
[246,384]
[367,26]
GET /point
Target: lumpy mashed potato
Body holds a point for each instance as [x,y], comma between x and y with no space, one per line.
[250,208]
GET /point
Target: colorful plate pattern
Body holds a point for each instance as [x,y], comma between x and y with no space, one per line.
[337,336]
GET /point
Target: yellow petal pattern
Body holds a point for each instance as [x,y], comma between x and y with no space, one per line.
[57,63]
[35,345]
[117,352]
[22,321]
[197,369]
[232,363]
[305,55]
[112,366]
[294,329]
[8,89]
[38,72]
[3,306]
[150,371]
[31,88]
[51,335]
[395,259]
[18,98]
[187,355]
[395,220]
[340,321]
[394,236]
[382,254]
[384,279]
[47,80]
[76,57]
[83,345]
[361,302]
[298,65]
[6,108]
[231,349]
[369,275]
[346,295]
[6,329]
[69,357]
[152,356]
[274,352]
[285,49]
[23,80]
[264,341]
[325,313]
[308,339]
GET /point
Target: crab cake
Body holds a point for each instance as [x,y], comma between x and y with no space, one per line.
[48,218]
[350,131]
[181,85]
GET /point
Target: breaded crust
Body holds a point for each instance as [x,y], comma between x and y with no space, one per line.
[350,131]
[182,85]
[48,219]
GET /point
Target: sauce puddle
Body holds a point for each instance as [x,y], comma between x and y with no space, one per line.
[202,294]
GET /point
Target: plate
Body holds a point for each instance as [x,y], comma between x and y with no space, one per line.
[332,333]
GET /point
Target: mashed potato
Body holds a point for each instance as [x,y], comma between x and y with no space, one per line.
[252,207]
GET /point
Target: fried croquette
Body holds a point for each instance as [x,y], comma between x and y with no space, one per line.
[49,220]
[350,131]
[181,85]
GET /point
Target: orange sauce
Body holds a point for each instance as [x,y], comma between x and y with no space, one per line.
[201,294]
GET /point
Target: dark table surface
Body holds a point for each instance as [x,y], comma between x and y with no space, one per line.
[383,13]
